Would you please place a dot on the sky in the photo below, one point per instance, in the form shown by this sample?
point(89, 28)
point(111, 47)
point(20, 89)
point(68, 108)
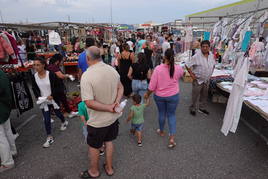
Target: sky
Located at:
point(99, 11)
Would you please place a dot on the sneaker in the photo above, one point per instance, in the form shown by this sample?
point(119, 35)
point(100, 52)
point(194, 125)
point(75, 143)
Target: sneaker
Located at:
point(203, 111)
point(101, 152)
point(139, 144)
point(64, 125)
point(72, 114)
point(193, 113)
point(5, 168)
point(49, 141)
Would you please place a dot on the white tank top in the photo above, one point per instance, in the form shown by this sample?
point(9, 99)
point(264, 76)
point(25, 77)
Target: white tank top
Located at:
point(43, 84)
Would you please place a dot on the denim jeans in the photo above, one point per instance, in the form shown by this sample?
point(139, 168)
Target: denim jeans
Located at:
point(139, 87)
point(47, 118)
point(167, 108)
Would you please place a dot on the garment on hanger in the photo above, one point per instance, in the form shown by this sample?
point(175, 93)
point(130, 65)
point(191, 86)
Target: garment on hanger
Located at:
point(22, 95)
point(13, 59)
point(5, 49)
point(228, 52)
point(189, 34)
point(54, 38)
point(235, 101)
point(246, 41)
point(257, 54)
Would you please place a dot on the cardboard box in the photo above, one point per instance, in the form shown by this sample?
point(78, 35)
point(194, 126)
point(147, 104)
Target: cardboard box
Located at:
point(217, 98)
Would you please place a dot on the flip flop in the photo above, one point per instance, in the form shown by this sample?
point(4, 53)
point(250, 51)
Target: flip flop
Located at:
point(86, 175)
point(104, 167)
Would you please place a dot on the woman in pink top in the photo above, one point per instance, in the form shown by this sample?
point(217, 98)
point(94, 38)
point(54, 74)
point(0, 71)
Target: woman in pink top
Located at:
point(165, 85)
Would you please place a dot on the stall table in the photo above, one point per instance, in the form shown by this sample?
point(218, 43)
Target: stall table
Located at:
point(71, 68)
point(254, 116)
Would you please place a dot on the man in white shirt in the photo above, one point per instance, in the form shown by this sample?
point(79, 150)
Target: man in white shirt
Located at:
point(131, 45)
point(102, 91)
point(165, 45)
point(201, 67)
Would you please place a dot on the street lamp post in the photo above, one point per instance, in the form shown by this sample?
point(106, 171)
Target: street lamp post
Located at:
point(111, 11)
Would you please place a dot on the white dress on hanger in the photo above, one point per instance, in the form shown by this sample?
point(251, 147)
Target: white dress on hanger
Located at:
point(235, 101)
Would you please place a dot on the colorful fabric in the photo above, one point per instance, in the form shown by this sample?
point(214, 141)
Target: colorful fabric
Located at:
point(246, 41)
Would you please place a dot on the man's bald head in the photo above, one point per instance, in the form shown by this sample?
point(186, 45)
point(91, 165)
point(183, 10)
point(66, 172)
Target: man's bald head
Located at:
point(93, 53)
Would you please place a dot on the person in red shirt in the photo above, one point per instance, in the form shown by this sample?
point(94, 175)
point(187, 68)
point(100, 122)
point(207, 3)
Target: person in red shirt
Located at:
point(54, 66)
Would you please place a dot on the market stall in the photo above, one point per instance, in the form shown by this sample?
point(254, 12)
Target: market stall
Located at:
point(240, 39)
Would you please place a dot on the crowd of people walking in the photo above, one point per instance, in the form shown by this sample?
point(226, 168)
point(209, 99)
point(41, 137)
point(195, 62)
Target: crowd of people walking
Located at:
point(136, 68)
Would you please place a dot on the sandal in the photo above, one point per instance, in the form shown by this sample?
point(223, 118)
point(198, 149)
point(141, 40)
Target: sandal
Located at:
point(172, 145)
point(104, 167)
point(86, 174)
point(159, 133)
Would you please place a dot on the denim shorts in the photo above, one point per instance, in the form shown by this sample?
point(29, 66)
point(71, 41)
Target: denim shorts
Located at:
point(138, 85)
point(137, 127)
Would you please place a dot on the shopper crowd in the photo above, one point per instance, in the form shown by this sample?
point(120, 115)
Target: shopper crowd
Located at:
point(124, 68)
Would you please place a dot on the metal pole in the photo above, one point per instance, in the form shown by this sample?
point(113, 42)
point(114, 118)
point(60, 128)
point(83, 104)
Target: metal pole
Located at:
point(111, 11)
point(2, 19)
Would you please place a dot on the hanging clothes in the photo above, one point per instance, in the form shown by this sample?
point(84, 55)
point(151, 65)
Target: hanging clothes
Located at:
point(266, 57)
point(189, 34)
point(22, 95)
point(256, 53)
point(246, 41)
point(5, 49)
point(235, 101)
point(54, 38)
point(13, 59)
point(228, 52)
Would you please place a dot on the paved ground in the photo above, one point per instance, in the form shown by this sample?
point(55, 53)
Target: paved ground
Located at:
point(201, 152)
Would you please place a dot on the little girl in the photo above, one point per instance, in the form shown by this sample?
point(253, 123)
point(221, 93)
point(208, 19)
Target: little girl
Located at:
point(136, 117)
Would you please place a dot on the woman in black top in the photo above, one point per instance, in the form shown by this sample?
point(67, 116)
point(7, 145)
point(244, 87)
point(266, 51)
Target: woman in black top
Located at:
point(125, 60)
point(148, 51)
point(139, 73)
point(54, 66)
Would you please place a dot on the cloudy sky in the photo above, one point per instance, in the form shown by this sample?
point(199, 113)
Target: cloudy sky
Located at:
point(124, 11)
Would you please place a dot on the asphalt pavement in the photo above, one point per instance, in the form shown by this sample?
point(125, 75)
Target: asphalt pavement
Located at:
point(202, 151)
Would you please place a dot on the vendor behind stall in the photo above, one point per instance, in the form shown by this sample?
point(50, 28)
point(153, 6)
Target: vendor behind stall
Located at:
point(54, 66)
point(201, 67)
point(82, 60)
